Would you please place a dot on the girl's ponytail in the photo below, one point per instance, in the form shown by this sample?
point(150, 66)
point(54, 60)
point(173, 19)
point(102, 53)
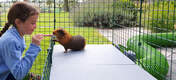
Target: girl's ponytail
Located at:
point(6, 27)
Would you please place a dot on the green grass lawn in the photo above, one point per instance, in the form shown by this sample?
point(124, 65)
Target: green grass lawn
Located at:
point(45, 26)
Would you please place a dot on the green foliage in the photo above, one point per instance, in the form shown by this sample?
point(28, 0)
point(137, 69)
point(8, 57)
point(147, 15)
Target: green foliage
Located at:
point(94, 16)
point(105, 15)
point(152, 60)
point(122, 48)
point(160, 16)
point(126, 12)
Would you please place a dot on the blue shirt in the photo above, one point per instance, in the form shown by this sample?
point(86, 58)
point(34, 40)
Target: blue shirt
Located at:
point(12, 46)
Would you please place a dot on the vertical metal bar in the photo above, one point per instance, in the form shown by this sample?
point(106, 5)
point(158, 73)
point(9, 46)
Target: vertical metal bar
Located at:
point(168, 7)
point(114, 2)
point(140, 17)
point(167, 31)
point(54, 15)
point(173, 38)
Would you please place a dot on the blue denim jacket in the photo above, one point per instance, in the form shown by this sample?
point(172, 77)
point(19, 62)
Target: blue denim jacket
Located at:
point(12, 46)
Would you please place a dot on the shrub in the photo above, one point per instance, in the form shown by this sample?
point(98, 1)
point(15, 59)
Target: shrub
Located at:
point(126, 10)
point(160, 16)
point(105, 15)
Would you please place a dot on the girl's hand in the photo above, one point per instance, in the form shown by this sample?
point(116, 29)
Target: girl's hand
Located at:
point(37, 38)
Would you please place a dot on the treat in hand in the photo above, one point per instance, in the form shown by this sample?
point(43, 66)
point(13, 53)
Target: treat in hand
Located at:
point(48, 35)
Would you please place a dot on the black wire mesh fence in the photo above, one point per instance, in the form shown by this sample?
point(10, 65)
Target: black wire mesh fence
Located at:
point(142, 29)
point(152, 40)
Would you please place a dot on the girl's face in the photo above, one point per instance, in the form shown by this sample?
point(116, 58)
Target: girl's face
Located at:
point(27, 27)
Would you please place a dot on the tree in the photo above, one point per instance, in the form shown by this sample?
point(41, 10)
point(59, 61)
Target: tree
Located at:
point(66, 6)
point(14, 1)
point(26, 0)
point(33, 1)
point(49, 3)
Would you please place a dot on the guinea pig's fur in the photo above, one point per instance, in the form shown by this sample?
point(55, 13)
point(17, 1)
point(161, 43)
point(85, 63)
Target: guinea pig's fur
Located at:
point(68, 41)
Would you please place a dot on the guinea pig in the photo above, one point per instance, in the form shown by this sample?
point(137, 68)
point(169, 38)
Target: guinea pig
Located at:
point(68, 41)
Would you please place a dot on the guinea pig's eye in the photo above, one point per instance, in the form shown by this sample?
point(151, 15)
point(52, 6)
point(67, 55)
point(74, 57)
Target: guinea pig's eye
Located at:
point(61, 32)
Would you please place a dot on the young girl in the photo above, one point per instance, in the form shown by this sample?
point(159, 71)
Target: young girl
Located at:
point(22, 17)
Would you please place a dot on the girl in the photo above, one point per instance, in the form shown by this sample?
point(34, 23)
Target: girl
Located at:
point(23, 17)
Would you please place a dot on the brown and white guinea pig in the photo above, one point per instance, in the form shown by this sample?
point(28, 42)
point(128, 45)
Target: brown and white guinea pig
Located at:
point(68, 41)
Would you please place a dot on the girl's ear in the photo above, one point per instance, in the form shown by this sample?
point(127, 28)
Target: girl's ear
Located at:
point(17, 22)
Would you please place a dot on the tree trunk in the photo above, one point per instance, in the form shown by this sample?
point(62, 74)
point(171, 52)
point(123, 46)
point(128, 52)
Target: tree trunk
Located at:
point(66, 6)
point(26, 0)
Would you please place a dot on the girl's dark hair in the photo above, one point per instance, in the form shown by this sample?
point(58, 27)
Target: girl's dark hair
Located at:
point(19, 10)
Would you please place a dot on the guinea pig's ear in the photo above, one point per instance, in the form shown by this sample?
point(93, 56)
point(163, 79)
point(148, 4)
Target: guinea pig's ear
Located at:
point(61, 32)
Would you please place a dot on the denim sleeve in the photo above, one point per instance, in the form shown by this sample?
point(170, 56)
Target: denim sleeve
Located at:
point(18, 66)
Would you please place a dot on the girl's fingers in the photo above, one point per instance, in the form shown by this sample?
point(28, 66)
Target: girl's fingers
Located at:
point(47, 34)
point(39, 36)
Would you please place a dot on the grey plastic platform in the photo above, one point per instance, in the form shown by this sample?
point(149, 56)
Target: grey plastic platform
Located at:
point(95, 62)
